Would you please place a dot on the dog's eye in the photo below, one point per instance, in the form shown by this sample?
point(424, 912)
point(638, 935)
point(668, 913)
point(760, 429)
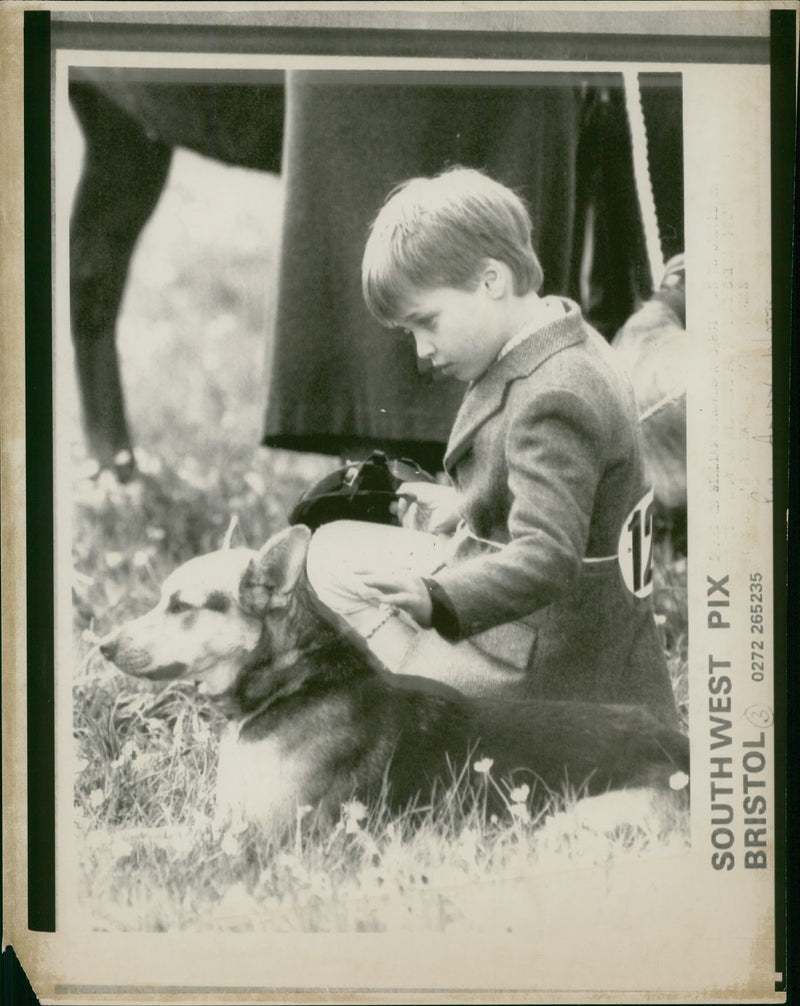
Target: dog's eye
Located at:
point(177, 607)
point(217, 601)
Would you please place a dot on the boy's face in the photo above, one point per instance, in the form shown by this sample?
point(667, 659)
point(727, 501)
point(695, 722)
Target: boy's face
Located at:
point(454, 330)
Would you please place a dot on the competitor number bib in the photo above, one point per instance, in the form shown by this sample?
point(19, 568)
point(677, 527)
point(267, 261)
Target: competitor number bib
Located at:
point(635, 551)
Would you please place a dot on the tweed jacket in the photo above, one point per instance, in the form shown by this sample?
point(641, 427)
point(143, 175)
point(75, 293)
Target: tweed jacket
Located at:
point(546, 455)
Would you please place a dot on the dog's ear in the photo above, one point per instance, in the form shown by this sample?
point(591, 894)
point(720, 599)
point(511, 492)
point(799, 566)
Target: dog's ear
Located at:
point(271, 576)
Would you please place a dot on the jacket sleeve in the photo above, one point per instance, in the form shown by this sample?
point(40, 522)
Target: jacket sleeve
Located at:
point(554, 449)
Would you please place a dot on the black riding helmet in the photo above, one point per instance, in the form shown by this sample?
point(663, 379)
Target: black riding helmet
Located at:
point(359, 490)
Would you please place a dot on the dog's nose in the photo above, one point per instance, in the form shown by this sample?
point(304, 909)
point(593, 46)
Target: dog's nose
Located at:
point(109, 648)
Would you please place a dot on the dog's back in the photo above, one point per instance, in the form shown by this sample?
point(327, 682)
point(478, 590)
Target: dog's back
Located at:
point(354, 730)
point(551, 746)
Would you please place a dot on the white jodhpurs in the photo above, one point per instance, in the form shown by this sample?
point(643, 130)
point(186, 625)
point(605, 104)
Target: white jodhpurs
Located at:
point(342, 552)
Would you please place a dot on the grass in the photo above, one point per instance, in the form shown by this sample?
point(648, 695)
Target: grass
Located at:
point(151, 857)
point(370, 873)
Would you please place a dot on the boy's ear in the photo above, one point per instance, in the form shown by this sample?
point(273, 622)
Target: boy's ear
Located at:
point(495, 278)
point(271, 575)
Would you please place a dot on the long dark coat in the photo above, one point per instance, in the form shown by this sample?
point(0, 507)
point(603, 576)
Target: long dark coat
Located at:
point(337, 378)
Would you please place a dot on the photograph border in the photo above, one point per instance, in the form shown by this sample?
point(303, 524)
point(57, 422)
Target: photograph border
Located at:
point(39, 32)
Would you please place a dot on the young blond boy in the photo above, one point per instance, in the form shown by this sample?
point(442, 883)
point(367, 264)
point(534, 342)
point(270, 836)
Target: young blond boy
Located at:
point(530, 574)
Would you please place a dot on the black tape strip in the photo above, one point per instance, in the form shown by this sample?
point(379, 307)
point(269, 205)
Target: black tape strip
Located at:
point(39, 475)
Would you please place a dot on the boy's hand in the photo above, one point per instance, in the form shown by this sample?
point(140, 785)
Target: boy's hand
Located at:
point(427, 507)
point(404, 591)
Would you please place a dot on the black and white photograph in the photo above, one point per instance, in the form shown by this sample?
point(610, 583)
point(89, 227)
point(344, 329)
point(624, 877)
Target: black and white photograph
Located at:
point(411, 527)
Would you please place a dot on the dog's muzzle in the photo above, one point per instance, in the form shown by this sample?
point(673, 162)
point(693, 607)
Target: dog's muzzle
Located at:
point(136, 661)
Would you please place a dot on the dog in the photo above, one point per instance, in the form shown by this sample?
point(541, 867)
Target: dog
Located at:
point(316, 720)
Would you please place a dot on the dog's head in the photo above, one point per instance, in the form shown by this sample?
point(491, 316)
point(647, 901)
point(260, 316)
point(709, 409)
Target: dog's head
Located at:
point(211, 613)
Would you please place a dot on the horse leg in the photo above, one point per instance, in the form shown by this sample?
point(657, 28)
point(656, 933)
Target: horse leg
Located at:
point(123, 175)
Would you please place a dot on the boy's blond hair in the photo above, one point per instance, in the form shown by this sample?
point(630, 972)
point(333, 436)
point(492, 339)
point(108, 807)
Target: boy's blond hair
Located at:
point(439, 231)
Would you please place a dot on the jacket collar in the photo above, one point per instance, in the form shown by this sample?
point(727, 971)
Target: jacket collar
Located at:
point(485, 396)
